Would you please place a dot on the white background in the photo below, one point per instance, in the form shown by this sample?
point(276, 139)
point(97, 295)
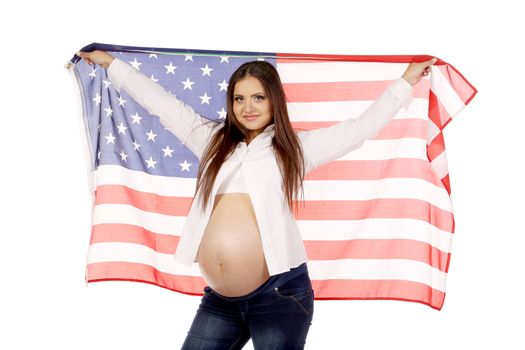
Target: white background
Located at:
point(45, 228)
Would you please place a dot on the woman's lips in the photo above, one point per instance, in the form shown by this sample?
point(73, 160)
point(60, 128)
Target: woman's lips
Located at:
point(250, 117)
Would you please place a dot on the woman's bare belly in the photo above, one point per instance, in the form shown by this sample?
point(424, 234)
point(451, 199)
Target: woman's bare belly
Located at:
point(230, 255)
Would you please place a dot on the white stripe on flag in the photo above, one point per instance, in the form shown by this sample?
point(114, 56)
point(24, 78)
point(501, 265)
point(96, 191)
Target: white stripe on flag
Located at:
point(127, 214)
point(408, 188)
point(341, 110)
point(376, 228)
point(439, 164)
point(140, 181)
point(365, 269)
point(447, 96)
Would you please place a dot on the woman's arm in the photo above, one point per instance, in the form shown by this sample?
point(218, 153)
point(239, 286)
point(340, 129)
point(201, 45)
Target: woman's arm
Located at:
point(179, 118)
point(323, 145)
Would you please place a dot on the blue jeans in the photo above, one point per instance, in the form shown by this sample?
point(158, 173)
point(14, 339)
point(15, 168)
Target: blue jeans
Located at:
point(276, 315)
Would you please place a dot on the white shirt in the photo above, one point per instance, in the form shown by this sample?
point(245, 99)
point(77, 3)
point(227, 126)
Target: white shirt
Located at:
point(281, 240)
point(234, 183)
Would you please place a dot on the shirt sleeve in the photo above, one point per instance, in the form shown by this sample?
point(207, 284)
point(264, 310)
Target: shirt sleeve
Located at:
point(323, 145)
point(179, 118)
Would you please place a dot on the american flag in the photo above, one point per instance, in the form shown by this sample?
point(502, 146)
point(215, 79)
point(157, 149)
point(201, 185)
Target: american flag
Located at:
point(378, 222)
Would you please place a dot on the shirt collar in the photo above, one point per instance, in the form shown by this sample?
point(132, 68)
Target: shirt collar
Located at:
point(269, 128)
point(263, 135)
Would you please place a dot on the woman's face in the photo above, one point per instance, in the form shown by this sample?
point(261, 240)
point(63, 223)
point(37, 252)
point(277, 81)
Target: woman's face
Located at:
point(250, 100)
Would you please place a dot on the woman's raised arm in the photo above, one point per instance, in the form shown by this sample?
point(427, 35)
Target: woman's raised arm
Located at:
point(179, 118)
point(323, 145)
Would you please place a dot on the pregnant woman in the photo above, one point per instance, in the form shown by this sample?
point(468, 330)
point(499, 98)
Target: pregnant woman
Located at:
point(240, 228)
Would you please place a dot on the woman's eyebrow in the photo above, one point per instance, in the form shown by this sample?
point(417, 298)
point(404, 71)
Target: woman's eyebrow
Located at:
point(257, 93)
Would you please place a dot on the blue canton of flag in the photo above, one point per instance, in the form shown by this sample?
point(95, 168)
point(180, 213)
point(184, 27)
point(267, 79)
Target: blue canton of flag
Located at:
point(123, 133)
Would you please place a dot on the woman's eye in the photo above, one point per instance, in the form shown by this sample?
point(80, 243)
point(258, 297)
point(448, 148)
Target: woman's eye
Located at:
point(257, 97)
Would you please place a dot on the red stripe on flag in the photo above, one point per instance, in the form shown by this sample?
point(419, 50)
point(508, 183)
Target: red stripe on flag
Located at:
point(336, 288)
point(375, 170)
point(119, 194)
point(378, 249)
point(437, 112)
point(135, 272)
point(127, 233)
point(320, 58)
point(396, 129)
point(345, 91)
point(436, 147)
point(369, 289)
point(376, 208)
point(446, 183)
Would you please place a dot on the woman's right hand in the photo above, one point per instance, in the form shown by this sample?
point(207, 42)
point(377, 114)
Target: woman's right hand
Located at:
point(99, 57)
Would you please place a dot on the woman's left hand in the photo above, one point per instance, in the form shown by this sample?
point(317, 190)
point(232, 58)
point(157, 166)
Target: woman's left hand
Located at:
point(417, 70)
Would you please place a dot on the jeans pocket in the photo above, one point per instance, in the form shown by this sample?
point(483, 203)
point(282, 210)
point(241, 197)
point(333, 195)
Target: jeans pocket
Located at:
point(299, 291)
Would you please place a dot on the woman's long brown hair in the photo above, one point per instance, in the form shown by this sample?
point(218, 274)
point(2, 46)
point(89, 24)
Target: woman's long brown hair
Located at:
point(285, 143)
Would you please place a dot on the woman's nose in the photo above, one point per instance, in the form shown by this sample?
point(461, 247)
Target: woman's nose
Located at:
point(248, 106)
